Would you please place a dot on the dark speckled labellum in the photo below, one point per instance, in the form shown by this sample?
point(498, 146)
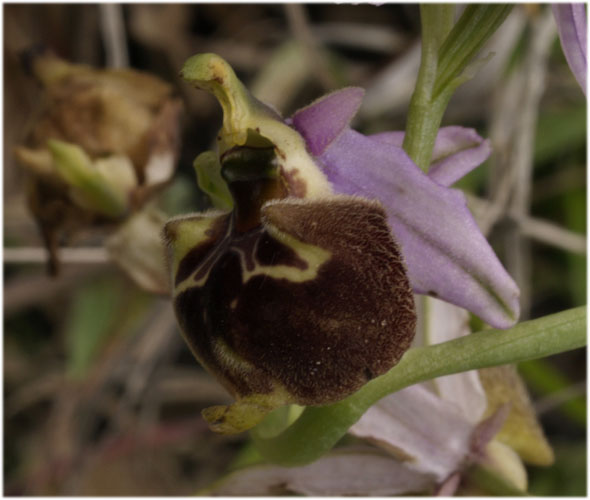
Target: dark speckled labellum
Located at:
point(288, 300)
point(295, 295)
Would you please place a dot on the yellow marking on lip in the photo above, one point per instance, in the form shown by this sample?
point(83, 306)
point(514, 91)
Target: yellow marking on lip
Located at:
point(312, 255)
point(189, 281)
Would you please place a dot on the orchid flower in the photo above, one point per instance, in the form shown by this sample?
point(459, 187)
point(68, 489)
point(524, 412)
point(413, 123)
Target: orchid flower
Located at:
point(298, 289)
point(462, 422)
point(572, 26)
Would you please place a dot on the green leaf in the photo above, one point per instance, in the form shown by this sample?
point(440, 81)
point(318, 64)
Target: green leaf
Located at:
point(475, 26)
point(444, 66)
point(319, 428)
point(424, 114)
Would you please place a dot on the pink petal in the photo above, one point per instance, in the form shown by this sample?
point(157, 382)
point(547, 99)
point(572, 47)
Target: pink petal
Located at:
point(457, 151)
point(357, 471)
point(431, 434)
point(446, 254)
point(324, 120)
point(572, 25)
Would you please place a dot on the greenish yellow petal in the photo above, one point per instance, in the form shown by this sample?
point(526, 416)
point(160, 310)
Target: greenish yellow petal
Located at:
point(246, 412)
point(503, 460)
point(209, 178)
point(521, 430)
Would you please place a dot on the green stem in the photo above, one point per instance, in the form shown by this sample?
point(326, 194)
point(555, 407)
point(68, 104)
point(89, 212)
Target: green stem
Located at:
point(319, 428)
point(422, 125)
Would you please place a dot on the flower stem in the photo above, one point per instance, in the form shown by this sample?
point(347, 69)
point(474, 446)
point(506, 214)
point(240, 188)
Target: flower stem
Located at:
point(318, 429)
point(422, 125)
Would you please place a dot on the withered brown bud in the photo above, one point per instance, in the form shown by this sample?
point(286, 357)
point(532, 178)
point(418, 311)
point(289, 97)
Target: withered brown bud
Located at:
point(105, 140)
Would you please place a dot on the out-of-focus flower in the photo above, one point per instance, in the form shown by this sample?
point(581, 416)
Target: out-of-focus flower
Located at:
point(443, 427)
point(104, 142)
point(573, 25)
point(431, 434)
point(299, 294)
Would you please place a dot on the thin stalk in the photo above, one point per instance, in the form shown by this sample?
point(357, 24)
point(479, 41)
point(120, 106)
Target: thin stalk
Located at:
point(437, 21)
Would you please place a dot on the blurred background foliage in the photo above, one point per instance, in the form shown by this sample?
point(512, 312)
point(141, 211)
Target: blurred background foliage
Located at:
point(101, 396)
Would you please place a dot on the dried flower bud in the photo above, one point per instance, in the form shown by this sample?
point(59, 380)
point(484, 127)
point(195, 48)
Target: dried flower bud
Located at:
point(104, 142)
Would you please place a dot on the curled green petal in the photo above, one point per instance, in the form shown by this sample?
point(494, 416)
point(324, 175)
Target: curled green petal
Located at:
point(211, 73)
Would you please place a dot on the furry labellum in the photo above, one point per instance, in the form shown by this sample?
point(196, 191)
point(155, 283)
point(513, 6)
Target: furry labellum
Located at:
point(285, 299)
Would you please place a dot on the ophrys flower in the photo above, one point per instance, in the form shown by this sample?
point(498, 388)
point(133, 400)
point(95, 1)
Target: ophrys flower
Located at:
point(296, 291)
